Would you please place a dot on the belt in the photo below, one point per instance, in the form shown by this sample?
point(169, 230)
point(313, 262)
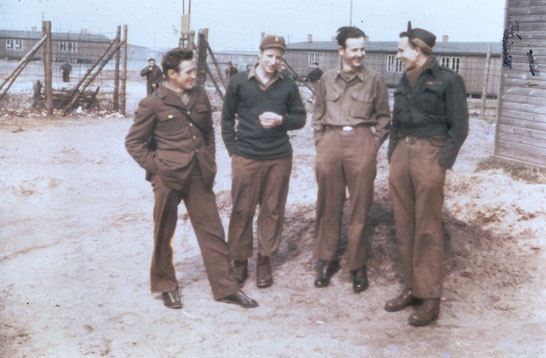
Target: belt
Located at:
point(347, 128)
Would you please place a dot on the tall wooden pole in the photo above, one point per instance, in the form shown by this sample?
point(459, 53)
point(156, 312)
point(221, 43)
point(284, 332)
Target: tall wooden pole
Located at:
point(485, 82)
point(202, 57)
point(116, 71)
point(48, 75)
point(123, 91)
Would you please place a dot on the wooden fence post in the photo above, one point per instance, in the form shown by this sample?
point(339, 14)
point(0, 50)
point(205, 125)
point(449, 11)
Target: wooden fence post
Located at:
point(20, 67)
point(123, 91)
point(48, 76)
point(116, 72)
point(485, 82)
point(202, 57)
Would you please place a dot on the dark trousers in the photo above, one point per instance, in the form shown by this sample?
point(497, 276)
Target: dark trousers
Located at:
point(345, 159)
point(416, 184)
point(150, 88)
point(201, 206)
point(263, 182)
point(66, 76)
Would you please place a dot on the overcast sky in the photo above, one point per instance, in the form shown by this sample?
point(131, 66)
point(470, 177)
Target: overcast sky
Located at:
point(237, 24)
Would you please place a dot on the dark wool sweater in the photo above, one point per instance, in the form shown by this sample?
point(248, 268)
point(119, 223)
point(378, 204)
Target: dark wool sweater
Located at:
point(245, 101)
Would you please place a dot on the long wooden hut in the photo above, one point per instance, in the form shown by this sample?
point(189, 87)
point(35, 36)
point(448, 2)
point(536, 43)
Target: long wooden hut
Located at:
point(521, 118)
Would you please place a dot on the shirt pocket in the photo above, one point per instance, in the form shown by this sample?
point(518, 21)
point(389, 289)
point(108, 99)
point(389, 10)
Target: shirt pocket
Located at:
point(432, 98)
point(360, 106)
point(170, 124)
point(333, 96)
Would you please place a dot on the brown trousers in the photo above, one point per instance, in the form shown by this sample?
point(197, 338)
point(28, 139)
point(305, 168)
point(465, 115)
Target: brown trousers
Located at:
point(201, 206)
point(344, 159)
point(263, 182)
point(416, 184)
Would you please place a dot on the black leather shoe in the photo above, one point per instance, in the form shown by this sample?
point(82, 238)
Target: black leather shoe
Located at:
point(239, 298)
point(264, 278)
point(360, 280)
point(401, 301)
point(428, 312)
point(240, 267)
point(325, 270)
point(171, 299)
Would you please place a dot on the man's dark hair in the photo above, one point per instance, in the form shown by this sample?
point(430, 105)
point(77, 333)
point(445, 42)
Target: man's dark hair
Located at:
point(348, 32)
point(315, 63)
point(151, 59)
point(172, 59)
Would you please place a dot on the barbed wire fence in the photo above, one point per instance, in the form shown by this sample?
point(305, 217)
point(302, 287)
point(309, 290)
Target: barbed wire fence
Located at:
point(83, 50)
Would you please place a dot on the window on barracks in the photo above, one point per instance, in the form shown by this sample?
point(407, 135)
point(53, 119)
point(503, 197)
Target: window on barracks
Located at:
point(313, 57)
point(13, 44)
point(452, 63)
point(394, 64)
point(68, 46)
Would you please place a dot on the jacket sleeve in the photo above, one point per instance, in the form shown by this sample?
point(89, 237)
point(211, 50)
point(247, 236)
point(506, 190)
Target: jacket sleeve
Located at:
point(319, 108)
point(229, 112)
point(144, 71)
point(457, 121)
point(139, 136)
point(208, 130)
point(295, 114)
point(382, 111)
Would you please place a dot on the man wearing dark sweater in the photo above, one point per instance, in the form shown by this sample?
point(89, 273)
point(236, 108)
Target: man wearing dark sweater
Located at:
point(260, 107)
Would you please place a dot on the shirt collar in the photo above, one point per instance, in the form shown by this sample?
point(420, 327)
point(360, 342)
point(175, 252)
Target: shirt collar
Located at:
point(360, 73)
point(252, 73)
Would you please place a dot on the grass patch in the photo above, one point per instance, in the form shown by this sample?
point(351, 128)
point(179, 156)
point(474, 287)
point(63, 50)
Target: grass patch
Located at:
point(518, 171)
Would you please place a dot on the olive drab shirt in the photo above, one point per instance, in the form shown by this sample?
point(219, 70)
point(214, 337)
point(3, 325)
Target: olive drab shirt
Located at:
point(435, 107)
point(362, 100)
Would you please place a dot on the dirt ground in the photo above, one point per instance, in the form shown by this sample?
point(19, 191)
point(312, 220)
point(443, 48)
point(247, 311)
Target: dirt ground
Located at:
point(76, 240)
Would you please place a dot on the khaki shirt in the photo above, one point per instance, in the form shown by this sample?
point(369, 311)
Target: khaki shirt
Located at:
point(361, 99)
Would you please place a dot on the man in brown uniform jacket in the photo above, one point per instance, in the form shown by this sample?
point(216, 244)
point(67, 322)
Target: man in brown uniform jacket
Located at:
point(351, 117)
point(172, 137)
point(430, 123)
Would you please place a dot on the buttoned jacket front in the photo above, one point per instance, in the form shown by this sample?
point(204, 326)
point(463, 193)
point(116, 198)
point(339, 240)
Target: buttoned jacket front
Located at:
point(163, 141)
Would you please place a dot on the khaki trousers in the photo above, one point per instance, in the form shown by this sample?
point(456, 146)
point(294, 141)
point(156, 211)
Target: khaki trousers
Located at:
point(416, 184)
point(263, 182)
point(201, 206)
point(344, 159)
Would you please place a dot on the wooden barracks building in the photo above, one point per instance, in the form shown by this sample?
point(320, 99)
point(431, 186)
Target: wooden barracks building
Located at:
point(466, 58)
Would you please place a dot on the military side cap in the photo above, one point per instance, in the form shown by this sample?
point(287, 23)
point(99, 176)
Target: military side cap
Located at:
point(273, 41)
point(421, 38)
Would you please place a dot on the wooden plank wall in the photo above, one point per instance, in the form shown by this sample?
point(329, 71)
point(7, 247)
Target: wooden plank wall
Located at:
point(521, 118)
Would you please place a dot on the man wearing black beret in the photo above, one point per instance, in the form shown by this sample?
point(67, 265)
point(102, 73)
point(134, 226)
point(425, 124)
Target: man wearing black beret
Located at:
point(429, 126)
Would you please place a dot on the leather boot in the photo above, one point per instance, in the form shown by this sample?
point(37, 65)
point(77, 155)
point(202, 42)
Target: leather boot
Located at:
point(240, 267)
point(428, 312)
point(400, 302)
point(264, 278)
point(360, 280)
point(325, 270)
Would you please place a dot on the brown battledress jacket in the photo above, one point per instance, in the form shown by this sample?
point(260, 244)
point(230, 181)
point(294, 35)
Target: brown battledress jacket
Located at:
point(164, 142)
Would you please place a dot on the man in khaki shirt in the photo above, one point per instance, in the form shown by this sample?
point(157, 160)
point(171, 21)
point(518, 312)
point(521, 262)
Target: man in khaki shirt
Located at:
point(351, 117)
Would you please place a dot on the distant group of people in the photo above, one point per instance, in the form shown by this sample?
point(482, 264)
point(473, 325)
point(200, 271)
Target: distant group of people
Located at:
point(173, 139)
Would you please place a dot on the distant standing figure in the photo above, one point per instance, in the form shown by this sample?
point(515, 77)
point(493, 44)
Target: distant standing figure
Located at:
point(66, 68)
point(315, 74)
point(231, 70)
point(153, 76)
